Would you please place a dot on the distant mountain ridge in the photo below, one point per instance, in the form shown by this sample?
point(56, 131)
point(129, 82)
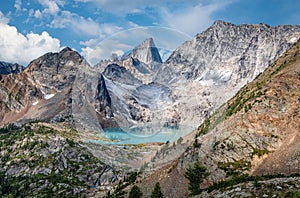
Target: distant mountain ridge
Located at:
point(10, 68)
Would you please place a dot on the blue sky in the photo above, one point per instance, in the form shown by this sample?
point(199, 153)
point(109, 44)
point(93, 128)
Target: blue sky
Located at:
point(96, 28)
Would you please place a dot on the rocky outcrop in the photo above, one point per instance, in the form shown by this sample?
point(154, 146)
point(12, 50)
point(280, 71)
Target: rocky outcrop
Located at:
point(17, 92)
point(56, 71)
point(120, 74)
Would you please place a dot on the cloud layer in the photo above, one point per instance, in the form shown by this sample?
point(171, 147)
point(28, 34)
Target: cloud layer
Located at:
point(18, 48)
point(192, 19)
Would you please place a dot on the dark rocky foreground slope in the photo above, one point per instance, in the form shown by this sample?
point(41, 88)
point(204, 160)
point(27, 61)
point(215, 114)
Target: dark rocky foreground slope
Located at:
point(37, 160)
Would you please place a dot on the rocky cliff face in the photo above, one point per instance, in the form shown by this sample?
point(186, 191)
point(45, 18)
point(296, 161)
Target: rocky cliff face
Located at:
point(120, 74)
point(255, 133)
point(102, 98)
point(55, 71)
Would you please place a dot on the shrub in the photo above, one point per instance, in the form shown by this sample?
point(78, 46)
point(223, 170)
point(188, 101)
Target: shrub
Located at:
point(135, 192)
point(156, 193)
point(196, 144)
point(132, 177)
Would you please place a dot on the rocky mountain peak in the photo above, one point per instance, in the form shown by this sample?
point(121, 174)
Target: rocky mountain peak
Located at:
point(66, 49)
point(57, 69)
point(148, 42)
point(147, 52)
point(233, 51)
point(220, 23)
point(58, 60)
point(68, 54)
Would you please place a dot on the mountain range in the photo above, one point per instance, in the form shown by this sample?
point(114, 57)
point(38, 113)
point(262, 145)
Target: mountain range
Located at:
point(221, 59)
point(229, 78)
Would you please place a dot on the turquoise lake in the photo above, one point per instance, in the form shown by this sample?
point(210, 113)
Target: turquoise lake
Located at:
point(141, 135)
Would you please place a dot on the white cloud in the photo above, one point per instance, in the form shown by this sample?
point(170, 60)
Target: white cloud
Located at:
point(191, 16)
point(3, 18)
point(121, 7)
point(190, 20)
point(16, 47)
point(18, 5)
point(76, 23)
point(118, 52)
point(31, 12)
point(61, 2)
point(104, 50)
point(83, 26)
point(50, 7)
point(38, 14)
point(132, 24)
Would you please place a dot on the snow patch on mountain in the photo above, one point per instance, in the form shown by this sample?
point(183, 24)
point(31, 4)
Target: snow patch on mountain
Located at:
point(48, 96)
point(293, 40)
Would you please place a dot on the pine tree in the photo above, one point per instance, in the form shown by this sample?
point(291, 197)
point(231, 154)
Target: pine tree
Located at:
point(135, 192)
point(156, 193)
point(195, 176)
